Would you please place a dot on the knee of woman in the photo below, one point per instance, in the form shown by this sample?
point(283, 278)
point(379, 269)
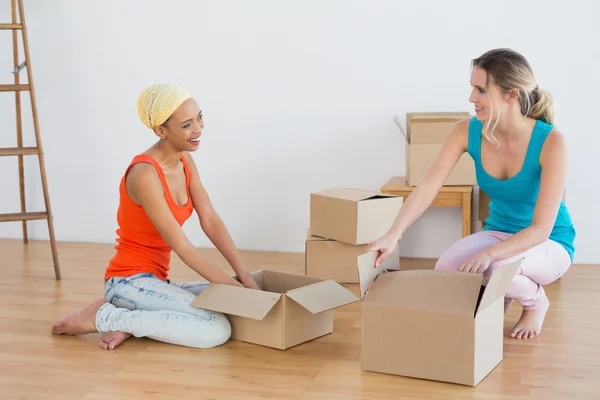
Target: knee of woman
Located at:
point(497, 265)
point(219, 332)
point(445, 263)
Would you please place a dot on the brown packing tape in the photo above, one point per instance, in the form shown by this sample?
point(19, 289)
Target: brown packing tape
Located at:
point(438, 114)
point(434, 120)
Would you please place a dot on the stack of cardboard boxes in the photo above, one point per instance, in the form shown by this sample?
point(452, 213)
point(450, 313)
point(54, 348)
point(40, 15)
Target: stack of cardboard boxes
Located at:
point(343, 222)
point(430, 324)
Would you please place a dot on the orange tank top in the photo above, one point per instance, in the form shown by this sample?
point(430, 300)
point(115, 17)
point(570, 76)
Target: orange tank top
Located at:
point(140, 248)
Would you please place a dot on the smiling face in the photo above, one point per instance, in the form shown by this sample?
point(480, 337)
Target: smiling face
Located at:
point(183, 128)
point(488, 99)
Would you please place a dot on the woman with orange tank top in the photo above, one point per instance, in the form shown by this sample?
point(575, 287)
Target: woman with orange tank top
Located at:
point(158, 192)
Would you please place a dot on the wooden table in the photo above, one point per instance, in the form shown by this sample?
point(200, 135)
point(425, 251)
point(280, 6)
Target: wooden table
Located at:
point(448, 196)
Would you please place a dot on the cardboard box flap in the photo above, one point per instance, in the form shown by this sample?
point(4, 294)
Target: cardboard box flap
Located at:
point(243, 302)
point(367, 272)
point(352, 194)
point(399, 125)
point(322, 296)
point(313, 238)
point(446, 291)
point(317, 239)
point(497, 284)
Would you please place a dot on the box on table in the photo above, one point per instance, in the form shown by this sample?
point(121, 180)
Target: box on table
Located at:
point(425, 134)
point(289, 310)
point(327, 258)
point(438, 325)
point(352, 216)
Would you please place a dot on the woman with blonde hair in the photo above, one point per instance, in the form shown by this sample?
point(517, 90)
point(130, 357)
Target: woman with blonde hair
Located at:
point(521, 163)
point(158, 192)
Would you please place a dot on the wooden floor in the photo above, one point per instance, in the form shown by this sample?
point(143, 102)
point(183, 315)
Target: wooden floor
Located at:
point(563, 363)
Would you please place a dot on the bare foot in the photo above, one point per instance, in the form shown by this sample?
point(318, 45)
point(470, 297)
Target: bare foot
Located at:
point(80, 322)
point(531, 321)
point(110, 340)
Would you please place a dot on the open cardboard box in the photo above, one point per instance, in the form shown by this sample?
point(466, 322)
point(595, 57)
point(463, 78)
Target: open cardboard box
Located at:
point(425, 133)
point(352, 216)
point(327, 258)
point(439, 325)
point(289, 310)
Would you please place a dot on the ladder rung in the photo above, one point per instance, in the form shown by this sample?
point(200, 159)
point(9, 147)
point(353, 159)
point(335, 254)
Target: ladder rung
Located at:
point(26, 216)
point(13, 88)
point(19, 151)
point(10, 26)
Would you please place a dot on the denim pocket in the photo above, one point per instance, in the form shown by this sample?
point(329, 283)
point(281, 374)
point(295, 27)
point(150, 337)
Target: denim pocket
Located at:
point(122, 302)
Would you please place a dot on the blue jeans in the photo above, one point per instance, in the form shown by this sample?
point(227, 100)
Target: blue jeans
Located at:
point(146, 306)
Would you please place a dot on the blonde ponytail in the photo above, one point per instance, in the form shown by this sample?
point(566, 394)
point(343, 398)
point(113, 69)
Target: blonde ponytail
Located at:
point(542, 106)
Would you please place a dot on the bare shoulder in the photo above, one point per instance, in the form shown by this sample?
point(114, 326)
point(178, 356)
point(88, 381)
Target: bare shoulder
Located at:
point(142, 178)
point(188, 157)
point(459, 134)
point(462, 127)
point(556, 139)
point(141, 172)
point(464, 123)
point(191, 163)
point(554, 148)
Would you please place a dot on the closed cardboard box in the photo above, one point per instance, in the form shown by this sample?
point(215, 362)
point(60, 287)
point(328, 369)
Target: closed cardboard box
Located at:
point(425, 134)
point(352, 216)
point(326, 258)
point(289, 310)
point(439, 325)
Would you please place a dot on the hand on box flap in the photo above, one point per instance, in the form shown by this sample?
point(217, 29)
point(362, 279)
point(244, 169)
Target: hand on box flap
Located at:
point(385, 245)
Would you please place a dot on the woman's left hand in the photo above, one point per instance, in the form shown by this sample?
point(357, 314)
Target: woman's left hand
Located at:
point(250, 283)
point(478, 263)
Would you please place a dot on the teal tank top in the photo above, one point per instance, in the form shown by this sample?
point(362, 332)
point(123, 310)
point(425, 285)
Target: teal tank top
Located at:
point(512, 201)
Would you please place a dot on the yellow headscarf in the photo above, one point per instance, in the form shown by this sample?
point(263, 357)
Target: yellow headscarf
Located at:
point(158, 102)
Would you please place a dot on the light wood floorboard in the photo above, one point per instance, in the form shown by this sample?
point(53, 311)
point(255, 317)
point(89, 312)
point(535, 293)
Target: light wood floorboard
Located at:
point(563, 363)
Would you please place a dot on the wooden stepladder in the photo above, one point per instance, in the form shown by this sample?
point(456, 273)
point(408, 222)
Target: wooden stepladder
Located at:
point(20, 151)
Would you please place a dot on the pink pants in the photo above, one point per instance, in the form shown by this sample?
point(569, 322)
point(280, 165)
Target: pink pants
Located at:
point(542, 264)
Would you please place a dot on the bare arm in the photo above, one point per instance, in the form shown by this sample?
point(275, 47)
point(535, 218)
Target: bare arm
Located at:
point(553, 160)
point(144, 188)
point(214, 227)
point(455, 144)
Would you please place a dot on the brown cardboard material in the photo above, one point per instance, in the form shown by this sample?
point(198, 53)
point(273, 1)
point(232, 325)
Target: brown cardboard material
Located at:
point(425, 134)
point(289, 310)
point(352, 216)
point(326, 258)
point(431, 127)
point(438, 325)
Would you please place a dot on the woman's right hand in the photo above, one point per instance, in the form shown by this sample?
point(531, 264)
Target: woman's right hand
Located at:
point(385, 245)
point(220, 276)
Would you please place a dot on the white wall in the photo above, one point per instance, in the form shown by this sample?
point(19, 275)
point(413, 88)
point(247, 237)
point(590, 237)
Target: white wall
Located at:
point(303, 91)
